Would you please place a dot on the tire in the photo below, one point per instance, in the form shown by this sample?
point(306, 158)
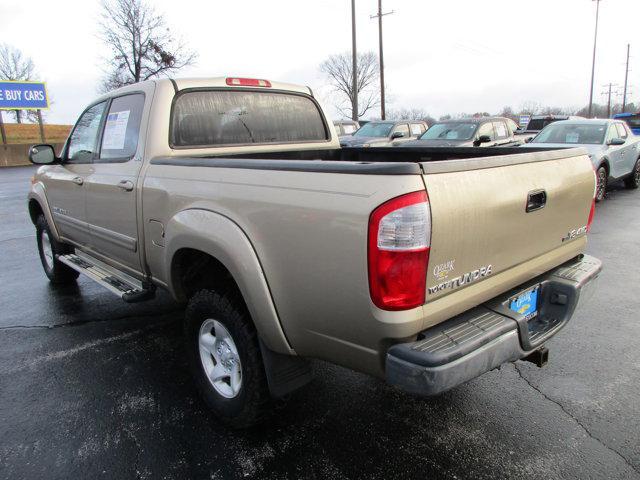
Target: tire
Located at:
point(48, 248)
point(222, 344)
point(633, 181)
point(601, 187)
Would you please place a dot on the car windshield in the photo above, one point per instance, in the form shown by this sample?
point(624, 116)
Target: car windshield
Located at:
point(374, 130)
point(572, 133)
point(450, 131)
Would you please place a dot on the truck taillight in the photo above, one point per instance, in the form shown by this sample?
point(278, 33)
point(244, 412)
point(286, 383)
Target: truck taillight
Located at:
point(247, 82)
point(591, 214)
point(593, 201)
point(399, 242)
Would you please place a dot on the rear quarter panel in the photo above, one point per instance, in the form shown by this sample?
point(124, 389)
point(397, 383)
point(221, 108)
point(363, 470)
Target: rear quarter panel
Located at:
point(309, 232)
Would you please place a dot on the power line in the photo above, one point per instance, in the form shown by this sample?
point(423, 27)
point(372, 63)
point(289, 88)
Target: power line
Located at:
point(608, 93)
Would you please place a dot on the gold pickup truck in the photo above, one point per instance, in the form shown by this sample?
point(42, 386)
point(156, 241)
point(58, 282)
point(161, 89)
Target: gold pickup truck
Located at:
point(425, 267)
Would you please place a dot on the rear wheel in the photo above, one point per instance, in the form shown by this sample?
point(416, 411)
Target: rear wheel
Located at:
point(633, 181)
point(601, 186)
point(225, 358)
point(49, 248)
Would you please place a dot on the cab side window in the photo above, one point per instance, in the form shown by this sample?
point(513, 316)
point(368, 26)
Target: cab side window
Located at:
point(612, 133)
point(501, 130)
point(403, 128)
point(622, 132)
point(122, 129)
point(83, 142)
point(417, 129)
point(486, 129)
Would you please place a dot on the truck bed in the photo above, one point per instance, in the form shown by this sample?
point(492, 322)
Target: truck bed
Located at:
point(309, 231)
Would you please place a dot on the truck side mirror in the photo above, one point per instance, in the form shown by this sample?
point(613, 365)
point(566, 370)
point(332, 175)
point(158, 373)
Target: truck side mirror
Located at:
point(616, 141)
point(397, 135)
point(42, 154)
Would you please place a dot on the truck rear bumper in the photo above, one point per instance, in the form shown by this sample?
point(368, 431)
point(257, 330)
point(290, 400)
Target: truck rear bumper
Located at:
point(491, 334)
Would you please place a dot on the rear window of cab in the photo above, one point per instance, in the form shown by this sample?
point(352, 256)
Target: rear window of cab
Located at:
point(210, 118)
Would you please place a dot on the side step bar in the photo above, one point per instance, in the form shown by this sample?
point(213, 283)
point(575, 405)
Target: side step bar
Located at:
point(124, 286)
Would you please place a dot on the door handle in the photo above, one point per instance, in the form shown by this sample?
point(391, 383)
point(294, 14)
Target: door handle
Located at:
point(125, 185)
point(77, 180)
point(536, 200)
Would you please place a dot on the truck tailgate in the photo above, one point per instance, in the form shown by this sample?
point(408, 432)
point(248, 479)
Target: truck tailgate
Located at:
point(480, 223)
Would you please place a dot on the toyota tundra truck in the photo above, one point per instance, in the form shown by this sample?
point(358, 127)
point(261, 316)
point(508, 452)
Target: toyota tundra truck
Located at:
point(425, 267)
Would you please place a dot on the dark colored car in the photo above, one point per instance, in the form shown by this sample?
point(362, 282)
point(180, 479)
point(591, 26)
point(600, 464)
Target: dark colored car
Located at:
point(468, 132)
point(383, 133)
point(538, 122)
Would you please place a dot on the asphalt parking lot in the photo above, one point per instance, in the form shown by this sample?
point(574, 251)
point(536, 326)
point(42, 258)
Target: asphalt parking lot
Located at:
point(91, 387)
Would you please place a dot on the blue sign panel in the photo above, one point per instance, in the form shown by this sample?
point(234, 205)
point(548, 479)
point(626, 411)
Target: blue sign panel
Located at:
point(23, 96)
point(524, 120)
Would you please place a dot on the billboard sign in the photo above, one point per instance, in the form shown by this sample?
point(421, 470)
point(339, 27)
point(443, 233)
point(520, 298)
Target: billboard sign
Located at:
point(18, 95)
point(524, 121)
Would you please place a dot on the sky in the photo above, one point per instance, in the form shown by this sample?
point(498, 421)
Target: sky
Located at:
point(442, 57)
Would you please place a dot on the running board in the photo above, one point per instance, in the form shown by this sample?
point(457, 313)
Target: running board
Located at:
point(124, 286)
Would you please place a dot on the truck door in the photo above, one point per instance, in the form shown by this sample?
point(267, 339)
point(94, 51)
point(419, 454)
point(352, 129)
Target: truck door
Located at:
point(66, 189)
point(111, 188)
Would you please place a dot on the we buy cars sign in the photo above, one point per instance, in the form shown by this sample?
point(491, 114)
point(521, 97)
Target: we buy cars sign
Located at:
point(23, 95)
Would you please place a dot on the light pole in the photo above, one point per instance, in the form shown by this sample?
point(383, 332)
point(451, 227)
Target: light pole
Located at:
point(381, 55)
point(626, 78)
point(354, 66)
point(593, 64)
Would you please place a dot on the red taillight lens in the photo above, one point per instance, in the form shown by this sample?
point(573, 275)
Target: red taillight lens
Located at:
point(399, 242)
point(591, 214)
point(593, 202)
point(247, 82)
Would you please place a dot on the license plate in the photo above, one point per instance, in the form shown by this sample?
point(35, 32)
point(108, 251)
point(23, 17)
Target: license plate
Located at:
point(526, 303)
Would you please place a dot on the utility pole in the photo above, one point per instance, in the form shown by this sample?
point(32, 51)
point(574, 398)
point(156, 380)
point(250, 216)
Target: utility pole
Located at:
point(608, 93)
point(593, 64)
point(354, 66)
point(381, 55)
point(626, 78)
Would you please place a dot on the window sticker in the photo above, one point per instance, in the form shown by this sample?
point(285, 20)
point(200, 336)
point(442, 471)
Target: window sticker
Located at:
point(115, 130)
point(572, 137)
point(501, 129)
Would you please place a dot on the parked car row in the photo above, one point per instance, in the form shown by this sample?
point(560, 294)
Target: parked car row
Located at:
point(612, 144)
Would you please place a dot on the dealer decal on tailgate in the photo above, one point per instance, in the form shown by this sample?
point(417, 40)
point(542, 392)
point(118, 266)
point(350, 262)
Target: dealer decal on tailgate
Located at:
point(462, 279)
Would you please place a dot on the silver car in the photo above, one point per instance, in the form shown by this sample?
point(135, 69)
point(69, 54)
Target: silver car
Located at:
point(612, 147)
point(382, 133)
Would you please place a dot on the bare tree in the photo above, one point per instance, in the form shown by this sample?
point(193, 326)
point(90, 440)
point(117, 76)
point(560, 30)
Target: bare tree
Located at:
point(339, 69)
point(141, 43)
point(530, 108)
point(507, 112)
point(15, 66)
point(411, 114)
